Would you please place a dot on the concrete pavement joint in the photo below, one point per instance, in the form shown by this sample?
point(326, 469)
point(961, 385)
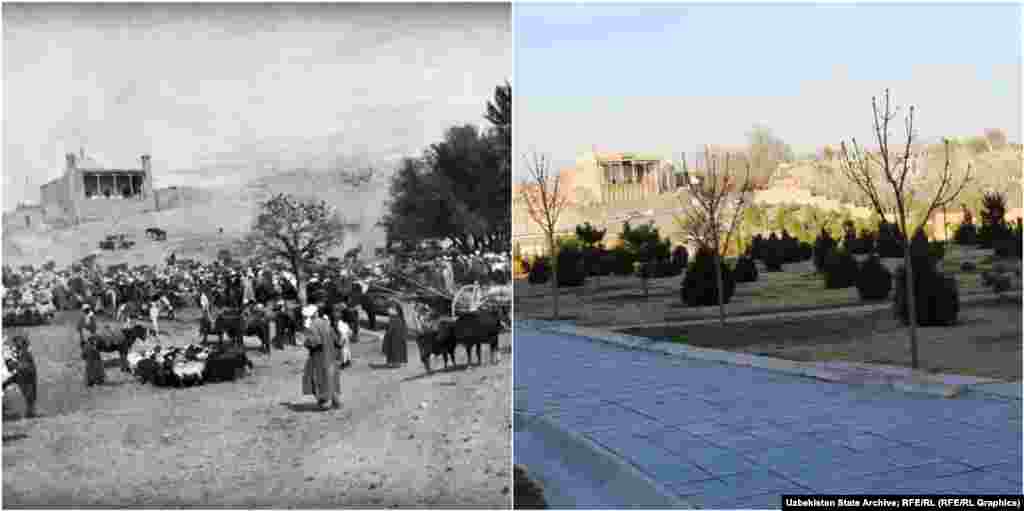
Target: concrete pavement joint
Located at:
point(896, 378)
point(619, 476)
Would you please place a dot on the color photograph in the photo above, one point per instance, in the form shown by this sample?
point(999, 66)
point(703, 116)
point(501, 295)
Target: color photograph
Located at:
point(765, 249)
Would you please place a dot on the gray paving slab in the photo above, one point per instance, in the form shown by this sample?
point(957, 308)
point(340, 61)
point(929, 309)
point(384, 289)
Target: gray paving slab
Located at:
point(732, 437)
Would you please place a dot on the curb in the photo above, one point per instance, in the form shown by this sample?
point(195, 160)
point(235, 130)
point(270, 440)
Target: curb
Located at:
point(894, 377)
point(615, 475)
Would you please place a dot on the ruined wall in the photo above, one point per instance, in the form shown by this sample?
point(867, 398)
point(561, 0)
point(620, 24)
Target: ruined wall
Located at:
point(22, 219)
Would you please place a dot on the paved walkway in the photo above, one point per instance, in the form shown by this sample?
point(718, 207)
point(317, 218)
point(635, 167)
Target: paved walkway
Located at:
point(723, 436)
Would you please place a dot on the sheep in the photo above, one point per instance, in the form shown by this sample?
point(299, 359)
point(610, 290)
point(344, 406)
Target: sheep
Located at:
point(189, 372)
point(133, 361)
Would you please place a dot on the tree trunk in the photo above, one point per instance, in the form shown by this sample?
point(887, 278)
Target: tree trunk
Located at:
point(721, 287)
point(911, 302)
point(554, 277)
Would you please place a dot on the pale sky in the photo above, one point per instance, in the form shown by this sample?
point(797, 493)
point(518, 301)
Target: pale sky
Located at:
point(219, 93)
point(667, 78)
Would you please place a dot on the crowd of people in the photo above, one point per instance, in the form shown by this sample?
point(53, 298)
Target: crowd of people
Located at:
point(335, 292)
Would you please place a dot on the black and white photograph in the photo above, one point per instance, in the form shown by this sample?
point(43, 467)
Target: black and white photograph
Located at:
point(257, 255)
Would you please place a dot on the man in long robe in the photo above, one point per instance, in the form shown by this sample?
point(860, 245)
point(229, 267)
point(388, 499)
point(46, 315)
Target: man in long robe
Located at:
point(394, 345)
point(94, 372)
point(321, 377)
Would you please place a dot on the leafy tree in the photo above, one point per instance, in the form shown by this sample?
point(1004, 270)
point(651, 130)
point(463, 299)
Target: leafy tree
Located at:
point(459, 189)
point(298, 233)
point(890, 179)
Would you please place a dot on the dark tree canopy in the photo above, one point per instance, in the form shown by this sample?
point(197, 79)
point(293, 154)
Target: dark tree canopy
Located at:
point(459, 189)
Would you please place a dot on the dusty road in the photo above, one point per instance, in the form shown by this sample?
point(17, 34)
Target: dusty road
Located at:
point(402, 438)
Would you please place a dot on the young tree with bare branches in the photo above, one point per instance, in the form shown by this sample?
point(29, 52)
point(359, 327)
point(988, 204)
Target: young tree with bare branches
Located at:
point(545, 201)
point(893, 180)
point(712, 206)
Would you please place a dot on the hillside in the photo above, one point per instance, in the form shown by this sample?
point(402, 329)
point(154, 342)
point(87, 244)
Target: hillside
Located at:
point(193, 228)
point(999, 170)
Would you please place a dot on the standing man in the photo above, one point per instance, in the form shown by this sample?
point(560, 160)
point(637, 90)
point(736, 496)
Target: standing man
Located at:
point(320, 377)
point(94, 372)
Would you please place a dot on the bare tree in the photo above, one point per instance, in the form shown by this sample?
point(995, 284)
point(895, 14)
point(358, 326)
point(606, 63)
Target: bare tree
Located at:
point(712, 206)
point(545, 202)
point(890, 180)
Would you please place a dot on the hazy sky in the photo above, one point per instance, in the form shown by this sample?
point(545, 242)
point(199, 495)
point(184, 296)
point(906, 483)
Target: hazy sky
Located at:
point(669, 78)
point(215, 92)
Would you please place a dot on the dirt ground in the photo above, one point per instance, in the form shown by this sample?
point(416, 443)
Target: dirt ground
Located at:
point(402, 438)
point(986, 342)
point(614, 301)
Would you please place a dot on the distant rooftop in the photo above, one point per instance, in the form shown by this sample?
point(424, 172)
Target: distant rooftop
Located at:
point(628, 157)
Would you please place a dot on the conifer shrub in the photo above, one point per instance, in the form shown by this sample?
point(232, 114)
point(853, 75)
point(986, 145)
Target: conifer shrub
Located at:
point(772, 254)
point(745, 270)
point(680, 257)
point(966, 233)
point(540, 271)
point(866, 241)
point(993, 220)
point(890, 240)
point(840, 270)
point(806, 251)
point(757, 246)
point(874, 280)
point(937, 298)
point(572, 268)
point(623, 261)
point(824, 245)
point(700, 288)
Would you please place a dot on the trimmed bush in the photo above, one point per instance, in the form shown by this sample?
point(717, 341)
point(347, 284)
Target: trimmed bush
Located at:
point(937, 297)
point(623, 261)
point(757, 244)
point(572, 269)
point(824, 245)
point(840, 270)
point(866, 241)
point(936, 250)
point(874, 280)
point(680, 257)
point(699, 288)
point(966, 234)
point(890, 241)
point(746, 269)
point(540, 271)
point(1004, 243)
point(772, 254)
point(790, 248)
point(806, 251)
point(993, 220)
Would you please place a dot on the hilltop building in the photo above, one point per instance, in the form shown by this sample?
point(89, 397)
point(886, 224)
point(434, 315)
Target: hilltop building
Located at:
point(87, 191)
point(606, 189)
